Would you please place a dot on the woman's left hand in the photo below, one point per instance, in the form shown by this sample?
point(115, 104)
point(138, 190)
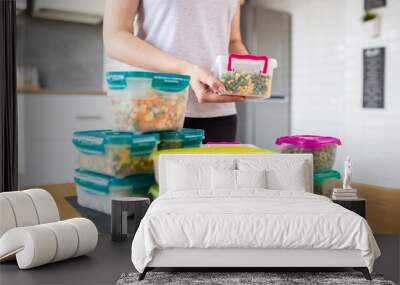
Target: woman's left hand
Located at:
point(207, 88)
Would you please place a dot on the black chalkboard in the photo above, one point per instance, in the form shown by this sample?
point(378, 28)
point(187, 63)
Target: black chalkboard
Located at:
point(373, 4)
point(374, 78)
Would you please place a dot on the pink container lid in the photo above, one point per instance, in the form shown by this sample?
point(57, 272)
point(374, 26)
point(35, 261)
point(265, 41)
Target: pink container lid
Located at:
point(223, 143)
point(308, 141)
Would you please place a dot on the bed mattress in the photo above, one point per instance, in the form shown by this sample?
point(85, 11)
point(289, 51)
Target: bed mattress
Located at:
point(250, 219)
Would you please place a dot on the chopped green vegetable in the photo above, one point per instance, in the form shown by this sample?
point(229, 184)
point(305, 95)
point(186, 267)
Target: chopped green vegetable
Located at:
point(118, 161)
point(246, 83)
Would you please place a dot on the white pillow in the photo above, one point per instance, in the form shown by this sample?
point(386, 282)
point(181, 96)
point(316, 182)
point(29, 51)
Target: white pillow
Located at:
point(181, 177)
point(288, 175)
point(251, 178)
point(184, 175)
point(223, 179)
point(293, 179)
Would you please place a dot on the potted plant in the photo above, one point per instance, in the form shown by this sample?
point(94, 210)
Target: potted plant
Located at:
point(372, 23)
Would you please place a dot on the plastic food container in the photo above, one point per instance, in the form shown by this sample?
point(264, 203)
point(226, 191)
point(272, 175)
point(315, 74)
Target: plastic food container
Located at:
point(246, 75)
point(322, 148)
point(146, 101)
point(324, 182)
point(96, 191)
point(182, 139)
point(118, 154)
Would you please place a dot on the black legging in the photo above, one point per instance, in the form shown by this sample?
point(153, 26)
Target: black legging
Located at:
point(217, 129)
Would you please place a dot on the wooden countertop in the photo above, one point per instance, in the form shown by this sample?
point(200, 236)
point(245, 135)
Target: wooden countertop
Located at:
point(383, 208)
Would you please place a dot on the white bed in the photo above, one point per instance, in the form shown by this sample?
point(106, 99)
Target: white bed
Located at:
point(194, 224)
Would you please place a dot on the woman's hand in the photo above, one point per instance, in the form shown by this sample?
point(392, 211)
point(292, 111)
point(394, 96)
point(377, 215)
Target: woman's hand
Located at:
point(206, 87)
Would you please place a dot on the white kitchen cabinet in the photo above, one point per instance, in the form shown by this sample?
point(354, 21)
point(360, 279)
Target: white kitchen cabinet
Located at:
point(88, 11)
point(46, 124)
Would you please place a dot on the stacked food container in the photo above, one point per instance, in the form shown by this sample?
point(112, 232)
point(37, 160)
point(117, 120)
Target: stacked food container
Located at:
point(323, 149)
point(148, 113)
point(112, 164)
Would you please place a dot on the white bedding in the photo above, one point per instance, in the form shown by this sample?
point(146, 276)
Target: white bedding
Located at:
point(251, 218)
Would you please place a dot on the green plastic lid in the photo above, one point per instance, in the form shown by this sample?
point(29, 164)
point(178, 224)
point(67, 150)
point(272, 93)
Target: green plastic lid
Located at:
point(184, 134)
point(320, 177)
point(166, 82)
point(95, 142)
point(102, 183)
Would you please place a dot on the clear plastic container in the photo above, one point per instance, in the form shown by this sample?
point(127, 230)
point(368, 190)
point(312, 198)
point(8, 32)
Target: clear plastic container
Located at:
point(325, 182)
point(146, 101)
point(322, 148)
point(118, 154)
point(182, 139)
point(246, 75)
point(96, 191)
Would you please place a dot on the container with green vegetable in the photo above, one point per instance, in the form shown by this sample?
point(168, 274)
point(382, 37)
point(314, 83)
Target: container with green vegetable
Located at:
point(118, 154)
point(322, 148)
point(246, 75)
point(181, 139)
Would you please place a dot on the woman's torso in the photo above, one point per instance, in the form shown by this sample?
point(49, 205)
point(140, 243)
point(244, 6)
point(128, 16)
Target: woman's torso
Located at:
point(194, 30)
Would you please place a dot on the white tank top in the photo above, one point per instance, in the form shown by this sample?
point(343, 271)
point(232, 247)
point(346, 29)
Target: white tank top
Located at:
point(194, 30)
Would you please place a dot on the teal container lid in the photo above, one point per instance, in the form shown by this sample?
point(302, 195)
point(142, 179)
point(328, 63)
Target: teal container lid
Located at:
point(185, 134)
point(320, 177)
point(102, 183)
point(94, 142)
point(165, 82)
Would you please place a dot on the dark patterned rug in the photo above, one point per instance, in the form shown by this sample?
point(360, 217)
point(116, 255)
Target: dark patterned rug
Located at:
point(244, 278)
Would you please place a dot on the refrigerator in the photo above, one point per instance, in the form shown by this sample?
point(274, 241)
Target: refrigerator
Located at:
point(266, 31)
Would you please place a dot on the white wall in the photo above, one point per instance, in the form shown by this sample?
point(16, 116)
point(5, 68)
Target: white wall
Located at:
point(373, 136)
point(328, 39)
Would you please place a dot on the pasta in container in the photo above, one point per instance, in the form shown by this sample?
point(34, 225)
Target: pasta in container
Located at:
point(117, 154)
point(147, 101)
